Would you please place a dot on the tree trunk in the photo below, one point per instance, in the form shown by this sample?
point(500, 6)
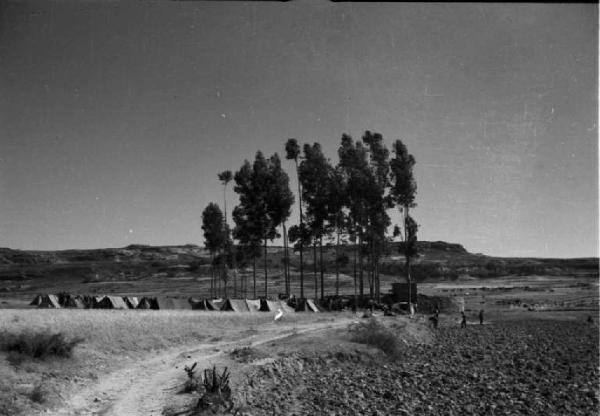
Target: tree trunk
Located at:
point(337, 266)
point(321, 261)
point(407, 257)
point(266, 280)
point(254, 276)
point(234, 283)
point(361, 282)
point(285, 262)
point(212, 276)
point(354, 272)
point(301, 232)
point(371, 276)
point(315, 268)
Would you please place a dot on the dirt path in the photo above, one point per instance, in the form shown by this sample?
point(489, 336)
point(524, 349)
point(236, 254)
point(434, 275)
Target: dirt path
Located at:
point(145, 387)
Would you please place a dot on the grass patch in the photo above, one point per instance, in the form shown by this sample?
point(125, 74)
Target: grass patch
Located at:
point(374, 333)
point(39, 345)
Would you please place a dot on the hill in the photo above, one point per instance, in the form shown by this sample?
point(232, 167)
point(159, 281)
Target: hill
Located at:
point(144, 269)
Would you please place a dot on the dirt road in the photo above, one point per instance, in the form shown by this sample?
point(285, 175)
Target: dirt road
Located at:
point(146, 387)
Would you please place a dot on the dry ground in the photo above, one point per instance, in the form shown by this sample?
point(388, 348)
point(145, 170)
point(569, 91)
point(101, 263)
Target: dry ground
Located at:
point(120, 349)
point(131, 362)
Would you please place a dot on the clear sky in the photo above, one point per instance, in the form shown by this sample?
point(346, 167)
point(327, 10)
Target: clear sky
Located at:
point(115, 117)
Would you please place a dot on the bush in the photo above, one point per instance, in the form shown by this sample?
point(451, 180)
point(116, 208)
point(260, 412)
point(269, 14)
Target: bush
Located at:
point(39, 394)
point(375, 334)
point(37, 345)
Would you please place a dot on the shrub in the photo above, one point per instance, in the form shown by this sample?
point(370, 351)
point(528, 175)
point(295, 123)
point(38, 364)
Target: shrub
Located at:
point(374, 333)
point(38, 394)
point(37, 345)
point(217, 392)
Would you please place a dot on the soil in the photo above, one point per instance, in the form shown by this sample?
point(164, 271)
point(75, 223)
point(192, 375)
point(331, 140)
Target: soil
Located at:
point(535, 367)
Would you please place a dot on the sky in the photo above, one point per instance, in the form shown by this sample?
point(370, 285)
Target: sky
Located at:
point(115, 117)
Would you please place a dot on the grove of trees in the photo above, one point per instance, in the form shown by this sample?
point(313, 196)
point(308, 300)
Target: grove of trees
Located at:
point(345, 202)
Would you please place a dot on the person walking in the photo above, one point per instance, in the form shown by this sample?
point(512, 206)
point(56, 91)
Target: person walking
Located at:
point(481, 317)
point(463, 323)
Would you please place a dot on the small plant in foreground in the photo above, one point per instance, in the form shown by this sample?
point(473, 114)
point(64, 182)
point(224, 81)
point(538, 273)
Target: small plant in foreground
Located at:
point(375, 334)
point(217, 392)
point(37, 345)
point(193, 383)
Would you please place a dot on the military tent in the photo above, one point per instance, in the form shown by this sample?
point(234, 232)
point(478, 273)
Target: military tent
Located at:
point(97, 302)
point(112, 302)
point(36, 301)
point(147, 303)
point(267, 305)
point(253, 305)
point(131, 301)
point(74, 302)
point(214, 304)
point(306, 305)
point(235, 305)
point(173, 303)
point(49, 301)
point(285, 307)
point(198, 304)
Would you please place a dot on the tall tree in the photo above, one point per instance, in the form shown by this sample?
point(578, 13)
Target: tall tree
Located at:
point(353, 160)
point(260, 210)
point(247, 229)
point(292, 150)
point(403, 192)
point(315, 172)
point(378, 202)
point(336, 201)
point(225, 177)
point(279, 202)
point(214, 235)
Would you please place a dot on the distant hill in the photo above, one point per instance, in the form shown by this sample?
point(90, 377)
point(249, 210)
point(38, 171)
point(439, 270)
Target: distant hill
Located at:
point(437, 260)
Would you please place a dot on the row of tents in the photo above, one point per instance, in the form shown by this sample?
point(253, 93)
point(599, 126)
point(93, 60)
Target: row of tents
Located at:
point(66, 300)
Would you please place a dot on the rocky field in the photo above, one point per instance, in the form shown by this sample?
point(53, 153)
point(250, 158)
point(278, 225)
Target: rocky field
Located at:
point(534, 367)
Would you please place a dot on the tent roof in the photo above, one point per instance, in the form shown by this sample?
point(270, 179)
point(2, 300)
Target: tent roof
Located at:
point(173, 303)
point(36, 300)
point(131, 301)
point(145, 303)
point(306, 305)
point(116, 302)
point(214, 304)
point(236, 305)
point(268, 305)
point(49, 301)
point(285, 307)
point(253, 305)
point(74, 302)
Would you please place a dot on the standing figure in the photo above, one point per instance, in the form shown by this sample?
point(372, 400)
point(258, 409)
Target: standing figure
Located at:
point(481, 317)
point(463, 323)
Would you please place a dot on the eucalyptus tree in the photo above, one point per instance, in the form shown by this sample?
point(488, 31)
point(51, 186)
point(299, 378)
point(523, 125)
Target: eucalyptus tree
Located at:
point(300, 235)
point(378, 201)
point(279, 199)
point(353, 161)
point(403, 192)
point(246, 229)
point(292, 150)
point(336, 218)
point(265, 202)
point(314, 172)
point(214, 236)
point(225, 177)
